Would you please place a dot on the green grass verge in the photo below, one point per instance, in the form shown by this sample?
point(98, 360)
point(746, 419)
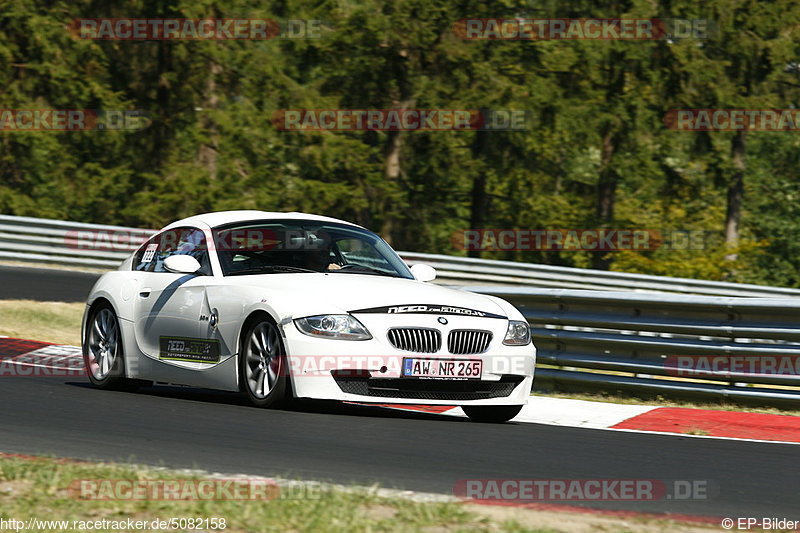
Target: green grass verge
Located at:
point(56, 322)
point(39, 488)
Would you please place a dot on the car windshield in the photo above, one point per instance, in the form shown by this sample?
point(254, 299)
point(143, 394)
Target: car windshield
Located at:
point(294, 246)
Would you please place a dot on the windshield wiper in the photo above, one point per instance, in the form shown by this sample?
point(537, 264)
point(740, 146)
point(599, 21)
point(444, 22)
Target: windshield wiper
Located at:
point(362, 269)
point(270, 269)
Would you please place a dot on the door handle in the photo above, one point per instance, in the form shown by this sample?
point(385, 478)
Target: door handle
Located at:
point(144, 293)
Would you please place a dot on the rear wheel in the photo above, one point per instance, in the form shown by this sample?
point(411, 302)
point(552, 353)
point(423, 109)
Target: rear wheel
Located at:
point(102, 355)
point(262, 364)
point(491, 413)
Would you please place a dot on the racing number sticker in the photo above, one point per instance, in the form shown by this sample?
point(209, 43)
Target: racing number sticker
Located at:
point(149, 252)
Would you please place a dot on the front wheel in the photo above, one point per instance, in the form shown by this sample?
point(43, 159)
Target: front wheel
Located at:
point(491, 413)
point(262, 365)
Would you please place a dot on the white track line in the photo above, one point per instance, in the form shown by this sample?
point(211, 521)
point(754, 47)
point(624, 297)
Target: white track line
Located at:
point(670, 434)
point(572, 413)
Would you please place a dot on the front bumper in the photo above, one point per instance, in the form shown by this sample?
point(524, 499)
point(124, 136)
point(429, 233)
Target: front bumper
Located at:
point(370, 371)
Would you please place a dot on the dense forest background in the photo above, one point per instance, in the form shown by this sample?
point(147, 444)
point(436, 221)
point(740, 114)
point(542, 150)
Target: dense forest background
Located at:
point(597, 154)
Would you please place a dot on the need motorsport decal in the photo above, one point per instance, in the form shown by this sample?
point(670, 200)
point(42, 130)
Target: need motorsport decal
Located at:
point(189, 350)
point(422, 309)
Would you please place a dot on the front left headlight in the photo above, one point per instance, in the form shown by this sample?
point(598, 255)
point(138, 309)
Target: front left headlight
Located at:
point(518, 333)
point(343, 327)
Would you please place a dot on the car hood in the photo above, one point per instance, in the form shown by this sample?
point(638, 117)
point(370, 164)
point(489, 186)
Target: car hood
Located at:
point(324, 293)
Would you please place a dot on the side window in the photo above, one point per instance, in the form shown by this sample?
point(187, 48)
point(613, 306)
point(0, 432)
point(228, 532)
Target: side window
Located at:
point(178, 241)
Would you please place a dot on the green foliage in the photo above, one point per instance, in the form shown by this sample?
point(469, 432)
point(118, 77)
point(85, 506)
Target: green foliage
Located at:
point(596, 110)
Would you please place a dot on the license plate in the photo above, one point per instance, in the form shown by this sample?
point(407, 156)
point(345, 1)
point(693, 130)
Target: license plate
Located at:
point(442, 368)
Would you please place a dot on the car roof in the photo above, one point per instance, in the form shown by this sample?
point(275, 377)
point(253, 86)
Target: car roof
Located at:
point(220, 218)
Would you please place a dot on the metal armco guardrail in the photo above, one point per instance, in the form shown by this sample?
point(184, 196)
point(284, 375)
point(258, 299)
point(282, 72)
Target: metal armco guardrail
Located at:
point(41, 240)
point(486, 272)
point(637, 333)
point(740, 349)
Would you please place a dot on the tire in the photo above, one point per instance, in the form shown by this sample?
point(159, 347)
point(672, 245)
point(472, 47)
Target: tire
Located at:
point(103, 355)
point(262, 365)
point(491, 413)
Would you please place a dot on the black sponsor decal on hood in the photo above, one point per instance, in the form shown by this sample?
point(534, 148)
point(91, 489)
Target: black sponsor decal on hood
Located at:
point(424, 309)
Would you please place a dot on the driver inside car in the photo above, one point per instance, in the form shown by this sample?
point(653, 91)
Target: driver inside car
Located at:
point(318, 255)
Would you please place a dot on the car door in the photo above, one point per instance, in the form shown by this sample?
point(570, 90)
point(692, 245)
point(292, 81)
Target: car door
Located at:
point(170, 307)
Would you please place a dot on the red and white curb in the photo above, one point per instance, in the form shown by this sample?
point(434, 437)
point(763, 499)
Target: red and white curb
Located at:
point(685, 422)
point(24, 358)
point(703, 423)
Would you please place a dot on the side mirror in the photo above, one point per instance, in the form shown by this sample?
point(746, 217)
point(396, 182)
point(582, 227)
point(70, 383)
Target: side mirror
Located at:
point(423, 272)
point(182, 264)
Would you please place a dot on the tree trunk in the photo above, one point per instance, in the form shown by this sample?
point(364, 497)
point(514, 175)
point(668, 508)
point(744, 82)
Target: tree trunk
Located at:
point(733, 214)
point(391, 172)
point(161, 132)
point(606, 195)
point(479, 199)
point(207, 155)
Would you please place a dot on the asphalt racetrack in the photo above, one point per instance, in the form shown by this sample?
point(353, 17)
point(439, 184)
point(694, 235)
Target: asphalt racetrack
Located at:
point(220, 432)
point(45, 284)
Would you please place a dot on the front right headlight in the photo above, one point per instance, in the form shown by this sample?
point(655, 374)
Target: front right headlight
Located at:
point(517, 334)
point(343, 327)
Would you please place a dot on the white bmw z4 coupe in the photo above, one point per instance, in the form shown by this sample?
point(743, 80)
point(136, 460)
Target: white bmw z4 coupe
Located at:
point(292, 305)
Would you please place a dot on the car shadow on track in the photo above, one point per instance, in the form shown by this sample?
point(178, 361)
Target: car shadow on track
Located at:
point(297, 405)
